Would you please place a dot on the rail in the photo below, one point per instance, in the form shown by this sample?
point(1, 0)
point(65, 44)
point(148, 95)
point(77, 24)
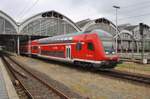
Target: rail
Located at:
point(25, 77)
point(136, 77)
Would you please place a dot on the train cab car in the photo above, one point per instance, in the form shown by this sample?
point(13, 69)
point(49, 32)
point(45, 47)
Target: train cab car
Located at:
point(107, 43)
point(95, 48)
point(90, 48)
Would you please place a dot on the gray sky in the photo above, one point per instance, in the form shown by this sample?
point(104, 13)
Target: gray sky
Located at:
point(132, 11)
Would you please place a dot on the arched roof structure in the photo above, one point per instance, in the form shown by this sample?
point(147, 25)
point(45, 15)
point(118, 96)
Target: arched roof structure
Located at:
point(100, 23)
point(52, 18)
point(124, 32)
point(129, 33)
point(8, 21)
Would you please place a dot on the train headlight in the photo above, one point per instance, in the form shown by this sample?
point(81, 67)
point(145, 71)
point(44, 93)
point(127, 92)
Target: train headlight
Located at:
point(107, 52)
point(113, 52)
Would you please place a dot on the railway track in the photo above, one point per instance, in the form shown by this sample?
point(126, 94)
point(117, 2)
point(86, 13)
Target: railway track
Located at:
point(33, 86)
point(128, 76)
point(134, 77)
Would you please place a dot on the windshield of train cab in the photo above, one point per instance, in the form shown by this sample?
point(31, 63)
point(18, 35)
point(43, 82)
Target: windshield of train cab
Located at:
point(108, 44)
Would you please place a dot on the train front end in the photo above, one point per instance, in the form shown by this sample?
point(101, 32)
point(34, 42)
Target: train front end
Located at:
point(110, 57)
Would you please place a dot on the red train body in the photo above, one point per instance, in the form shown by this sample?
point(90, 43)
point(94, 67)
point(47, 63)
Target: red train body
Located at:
point(93, 48)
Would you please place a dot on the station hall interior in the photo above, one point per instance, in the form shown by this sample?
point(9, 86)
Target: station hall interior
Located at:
point(52, 23)
point(74, 49)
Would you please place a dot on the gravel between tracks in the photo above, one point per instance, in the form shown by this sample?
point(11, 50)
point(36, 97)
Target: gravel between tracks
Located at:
point(86, 83)
point(55, 84)
point(37, 89)
point(134, 67)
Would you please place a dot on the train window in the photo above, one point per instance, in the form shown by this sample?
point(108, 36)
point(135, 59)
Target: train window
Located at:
point(78, 46)
point(90, 46)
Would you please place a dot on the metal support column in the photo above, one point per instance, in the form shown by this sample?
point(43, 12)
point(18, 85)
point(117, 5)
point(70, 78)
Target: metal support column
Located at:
point(142, 40)
point(138, 47)
point(29, 43)
point(18, 45)
point(64, 27)
point(132, 48)
point(143, 31)
point(121, 45)
point(4, 31)
point(116, 7)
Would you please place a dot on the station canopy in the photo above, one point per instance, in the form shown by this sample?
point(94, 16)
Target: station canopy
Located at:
point(48, 23)
point(7, 24)
point(41, 25)
point(100, 23)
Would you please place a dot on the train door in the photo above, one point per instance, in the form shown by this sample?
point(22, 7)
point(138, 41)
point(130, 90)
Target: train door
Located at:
point(68, 51)
point(79, 50)
point(90, 50)
point(39, 50)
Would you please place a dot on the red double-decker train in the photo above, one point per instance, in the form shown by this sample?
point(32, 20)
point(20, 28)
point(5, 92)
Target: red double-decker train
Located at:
point(93, 48)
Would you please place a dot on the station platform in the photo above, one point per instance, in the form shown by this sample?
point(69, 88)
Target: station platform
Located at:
point(7, 90)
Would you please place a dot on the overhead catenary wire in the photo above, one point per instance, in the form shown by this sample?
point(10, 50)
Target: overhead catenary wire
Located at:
point(146, 14)
point(131, 17)
point(131, 6)
point(136, 4)
point(135, 9)
point(24, 8)
point(29, 9)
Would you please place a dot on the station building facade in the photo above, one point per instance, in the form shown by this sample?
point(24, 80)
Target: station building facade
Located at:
point(48, 23)
point(53, 23)
point(100, 23)
point(8, 27)
point(7, 24)
point(133, 39)
point(43, 24)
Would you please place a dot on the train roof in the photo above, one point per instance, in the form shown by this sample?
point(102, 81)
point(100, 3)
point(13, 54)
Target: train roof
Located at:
point(103, 33)
point(68, 37)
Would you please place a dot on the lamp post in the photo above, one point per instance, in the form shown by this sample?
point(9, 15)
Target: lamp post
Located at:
point(116, 7)
point(143, 31)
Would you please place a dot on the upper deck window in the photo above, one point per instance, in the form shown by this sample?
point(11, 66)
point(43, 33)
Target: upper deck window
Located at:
point(90, 46)
point(78, 46)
